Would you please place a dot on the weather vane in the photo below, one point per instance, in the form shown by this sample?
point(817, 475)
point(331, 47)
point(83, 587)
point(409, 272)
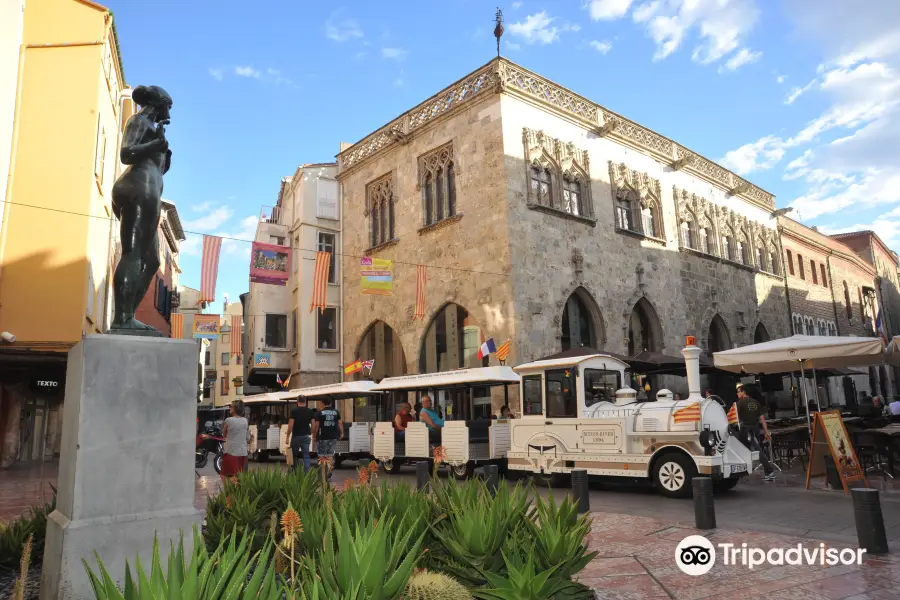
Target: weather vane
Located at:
point(498, 30)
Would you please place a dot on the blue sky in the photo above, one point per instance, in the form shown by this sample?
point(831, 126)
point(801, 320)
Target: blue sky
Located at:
point(799, 96)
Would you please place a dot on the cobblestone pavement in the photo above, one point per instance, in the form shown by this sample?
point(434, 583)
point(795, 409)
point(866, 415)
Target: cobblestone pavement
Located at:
point(635, 531)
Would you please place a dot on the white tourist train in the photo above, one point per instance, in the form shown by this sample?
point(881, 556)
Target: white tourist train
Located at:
point(573, 419)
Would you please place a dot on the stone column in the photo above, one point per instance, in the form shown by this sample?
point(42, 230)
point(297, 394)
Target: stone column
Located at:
point(126, 471)
point(379, 370)
point(451, 317)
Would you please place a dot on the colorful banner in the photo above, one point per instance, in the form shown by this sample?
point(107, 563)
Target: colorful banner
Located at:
point(209, 268)
point(262, 360)
point(177, 330)
point(207, 326)
point(320, 282)
point(237, 334)
point(377, 276)
point(421, 280)
point(270, 264)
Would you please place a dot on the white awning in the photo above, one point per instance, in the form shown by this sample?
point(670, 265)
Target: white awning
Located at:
point(272, 397)
point(813, 351)
point(348, 389)
point(561, 363)
point(446, 379)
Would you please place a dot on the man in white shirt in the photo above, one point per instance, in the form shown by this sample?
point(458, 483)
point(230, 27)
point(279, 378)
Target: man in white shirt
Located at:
point(895, 407)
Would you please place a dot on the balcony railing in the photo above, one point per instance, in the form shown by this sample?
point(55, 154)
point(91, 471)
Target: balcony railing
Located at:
point(270, 214)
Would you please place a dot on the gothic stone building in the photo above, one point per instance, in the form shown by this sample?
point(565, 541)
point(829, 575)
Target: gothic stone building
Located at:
point(551, 221)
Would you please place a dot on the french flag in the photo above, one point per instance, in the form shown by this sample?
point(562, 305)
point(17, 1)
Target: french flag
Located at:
point(487, 349)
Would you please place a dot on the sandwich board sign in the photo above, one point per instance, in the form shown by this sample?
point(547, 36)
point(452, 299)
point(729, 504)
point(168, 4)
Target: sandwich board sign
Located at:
point(829, 435)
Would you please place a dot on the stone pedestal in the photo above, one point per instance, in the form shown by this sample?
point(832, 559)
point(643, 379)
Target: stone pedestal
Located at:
point(126, 467)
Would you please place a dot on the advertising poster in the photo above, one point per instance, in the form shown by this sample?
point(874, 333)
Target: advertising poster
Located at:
point(206, 327)
point(270, 264)
point(377, 276)
point(830, 436)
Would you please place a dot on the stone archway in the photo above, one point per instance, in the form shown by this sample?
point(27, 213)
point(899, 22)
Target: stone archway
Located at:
point(718, 338)
point(761, 334)
point(644, 331)
point(451, 341)
point(382, 344)
point(582, 322)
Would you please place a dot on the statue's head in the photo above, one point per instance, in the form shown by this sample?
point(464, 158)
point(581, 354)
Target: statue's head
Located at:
point(154, 97)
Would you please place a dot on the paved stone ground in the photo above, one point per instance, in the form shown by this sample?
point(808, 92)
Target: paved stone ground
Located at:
point(636, 531)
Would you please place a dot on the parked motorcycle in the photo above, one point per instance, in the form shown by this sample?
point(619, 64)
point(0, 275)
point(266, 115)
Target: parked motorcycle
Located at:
point(209, 442)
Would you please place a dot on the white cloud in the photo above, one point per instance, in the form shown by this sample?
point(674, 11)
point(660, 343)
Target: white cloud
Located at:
point(342, 30)
point(601, 47)
point(393, 53)
point(237, 242)
point(217, 74)
point(215, 219)
point(742, 57)
point(516, 5)
point(608, 10)
point(246, 71)
point(722, 25)
point(539, 28)
point(798, 91)
point(203, 207)
point(780, 78)
point(512, 46)
point(762, 154)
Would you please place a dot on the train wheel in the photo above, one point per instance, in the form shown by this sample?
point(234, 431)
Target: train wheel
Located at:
point(673, 473)
point(551, 480)
point(390, 467)
point(463, 471)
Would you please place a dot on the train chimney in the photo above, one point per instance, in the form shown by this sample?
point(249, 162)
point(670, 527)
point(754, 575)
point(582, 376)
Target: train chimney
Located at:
point(691, 355)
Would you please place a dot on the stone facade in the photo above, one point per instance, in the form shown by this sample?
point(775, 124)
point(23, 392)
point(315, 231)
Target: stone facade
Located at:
point(536, 250)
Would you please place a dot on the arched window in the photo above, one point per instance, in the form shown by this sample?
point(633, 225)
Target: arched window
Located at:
point(381, 344)
point(380, 200)
point(718, 338)
point(650, 220)
point(704, 240)
point(624, 212)
point(572, 195)
point(790, 262)
point(581, 322)
point(773, 262)
point(761, 334)
point(800, 266)
point(542, 184)
point(798, 324)
point(847, 306)
point(644, 330)
point(728, 247)
point(761, 259)
point(687, 239)
point(451, 341)
point(437, 179)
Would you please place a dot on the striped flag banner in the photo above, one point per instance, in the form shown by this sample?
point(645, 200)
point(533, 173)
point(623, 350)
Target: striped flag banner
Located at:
point(688, 414)
point(733, 415)
point(421, 280)
point(209, 268)
point(320, 282)
point(503, 351)
point(177, 329)
point(237, 331)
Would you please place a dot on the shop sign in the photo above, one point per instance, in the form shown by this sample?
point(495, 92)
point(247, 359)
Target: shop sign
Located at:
point(47, 383)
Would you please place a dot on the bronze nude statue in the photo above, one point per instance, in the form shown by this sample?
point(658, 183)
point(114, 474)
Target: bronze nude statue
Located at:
point(136, 202)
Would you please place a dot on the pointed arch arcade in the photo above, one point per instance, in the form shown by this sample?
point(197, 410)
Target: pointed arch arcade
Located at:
point(644, 331)
point(451, 341)
point(718, 338)
point(582, 322)
point(380, 343)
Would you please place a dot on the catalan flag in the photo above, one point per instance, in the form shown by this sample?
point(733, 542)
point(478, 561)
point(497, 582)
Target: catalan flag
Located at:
point(177, 330)
point(237, 334)
point(209, 268)
point(733, 415)
point(421, 280)
point(287, 381)
point(320, 282)
point(503, 351)
point(688, 414)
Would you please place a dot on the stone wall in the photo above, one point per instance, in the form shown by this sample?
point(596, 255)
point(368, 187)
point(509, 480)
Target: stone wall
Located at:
point(554, 254)
point(468, 255)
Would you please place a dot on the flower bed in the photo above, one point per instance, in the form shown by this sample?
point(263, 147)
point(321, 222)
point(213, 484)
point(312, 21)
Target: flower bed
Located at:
point(270, 534)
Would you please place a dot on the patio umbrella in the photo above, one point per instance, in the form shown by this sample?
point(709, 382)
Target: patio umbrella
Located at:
point(801, 352)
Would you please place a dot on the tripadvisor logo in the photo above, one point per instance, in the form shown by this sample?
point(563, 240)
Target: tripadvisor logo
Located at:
point(695, 555)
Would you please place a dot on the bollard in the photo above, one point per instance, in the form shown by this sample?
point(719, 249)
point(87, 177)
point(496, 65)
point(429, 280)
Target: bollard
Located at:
point(580, 490)
point(492, 476)
point(704, 509)
point(423, 474)
point(869, 521)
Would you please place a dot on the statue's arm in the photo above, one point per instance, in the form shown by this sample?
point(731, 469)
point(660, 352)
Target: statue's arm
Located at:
point(168, 162)
point(133, 150)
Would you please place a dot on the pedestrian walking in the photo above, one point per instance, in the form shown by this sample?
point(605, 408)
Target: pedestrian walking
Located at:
point(237, 440)
point(300, 427)
point(753, 420)
point(327, 429)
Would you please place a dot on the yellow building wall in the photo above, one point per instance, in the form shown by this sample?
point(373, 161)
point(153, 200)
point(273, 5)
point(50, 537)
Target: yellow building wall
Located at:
point(53, 262)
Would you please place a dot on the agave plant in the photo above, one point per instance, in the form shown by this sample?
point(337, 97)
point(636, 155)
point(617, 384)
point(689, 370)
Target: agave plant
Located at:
point(223, 574)
point(15, 534)
point(362, 561)
point(526, 581)
point(558, 536)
